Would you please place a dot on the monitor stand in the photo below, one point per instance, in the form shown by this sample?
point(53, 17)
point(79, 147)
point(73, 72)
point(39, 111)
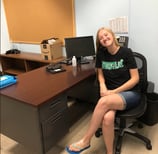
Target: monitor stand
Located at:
point(67, 62)
point(81, 60)
point(84, 62)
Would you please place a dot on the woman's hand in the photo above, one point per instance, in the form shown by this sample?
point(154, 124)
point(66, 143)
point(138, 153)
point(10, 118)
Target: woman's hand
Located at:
point(103, 89)
point(110, 92)
point(105, 92)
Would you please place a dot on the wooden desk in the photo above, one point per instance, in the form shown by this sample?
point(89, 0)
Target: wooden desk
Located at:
point(34, 111)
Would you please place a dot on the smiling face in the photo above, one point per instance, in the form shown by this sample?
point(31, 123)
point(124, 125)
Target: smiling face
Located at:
point(106, 38)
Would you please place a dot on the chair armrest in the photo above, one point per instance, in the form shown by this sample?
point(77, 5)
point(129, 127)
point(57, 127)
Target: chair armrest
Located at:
point(150, 87)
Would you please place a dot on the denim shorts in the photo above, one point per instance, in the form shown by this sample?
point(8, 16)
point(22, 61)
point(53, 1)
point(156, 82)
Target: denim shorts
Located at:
point(130, 98)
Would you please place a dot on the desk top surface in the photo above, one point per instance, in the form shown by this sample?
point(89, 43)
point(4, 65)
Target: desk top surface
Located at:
point(39, 86)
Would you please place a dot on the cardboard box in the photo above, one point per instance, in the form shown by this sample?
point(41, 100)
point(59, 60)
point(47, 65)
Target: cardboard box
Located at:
point(51, 49)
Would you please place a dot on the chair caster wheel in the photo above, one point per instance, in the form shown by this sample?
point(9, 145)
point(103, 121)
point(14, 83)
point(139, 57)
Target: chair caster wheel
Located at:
point(98, 133)
point(117, 152)
point(140, 125)
point(149, 146)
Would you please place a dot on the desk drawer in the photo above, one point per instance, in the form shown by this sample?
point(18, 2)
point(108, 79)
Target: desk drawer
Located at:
point(52, 107)
point(54, 129)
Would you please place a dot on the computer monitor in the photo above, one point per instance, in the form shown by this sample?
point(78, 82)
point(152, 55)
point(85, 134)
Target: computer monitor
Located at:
point(80, 47)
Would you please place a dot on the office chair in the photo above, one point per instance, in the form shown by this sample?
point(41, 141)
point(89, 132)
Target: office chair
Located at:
point(123, 41)
point(122, 116)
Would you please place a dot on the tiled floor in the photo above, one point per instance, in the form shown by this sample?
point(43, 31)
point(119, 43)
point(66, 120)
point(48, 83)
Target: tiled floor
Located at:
point(130, 146)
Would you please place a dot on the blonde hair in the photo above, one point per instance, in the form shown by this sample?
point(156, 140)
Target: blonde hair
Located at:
point(98, 45)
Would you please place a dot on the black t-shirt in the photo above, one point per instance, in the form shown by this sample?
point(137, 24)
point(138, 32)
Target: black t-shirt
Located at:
point(116, 67)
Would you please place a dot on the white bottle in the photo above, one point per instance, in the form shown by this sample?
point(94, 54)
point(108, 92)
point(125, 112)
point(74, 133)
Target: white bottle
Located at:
point(74, 61)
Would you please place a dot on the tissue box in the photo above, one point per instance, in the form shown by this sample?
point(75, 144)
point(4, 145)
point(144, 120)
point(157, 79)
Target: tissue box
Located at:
point(51, 49)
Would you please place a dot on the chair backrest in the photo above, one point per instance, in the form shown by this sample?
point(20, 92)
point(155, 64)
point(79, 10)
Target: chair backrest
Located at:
point(123, 41)
point(142, 68)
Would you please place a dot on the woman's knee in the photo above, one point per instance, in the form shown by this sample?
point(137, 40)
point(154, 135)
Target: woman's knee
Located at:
point(108, 119)
point(103, 102)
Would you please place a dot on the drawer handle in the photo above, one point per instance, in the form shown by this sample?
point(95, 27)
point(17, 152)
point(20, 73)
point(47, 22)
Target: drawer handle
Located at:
point(54, 103)
point(55, 118)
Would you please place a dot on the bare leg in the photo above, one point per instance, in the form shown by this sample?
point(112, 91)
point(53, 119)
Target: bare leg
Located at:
point(108, 130)
point(105, 104)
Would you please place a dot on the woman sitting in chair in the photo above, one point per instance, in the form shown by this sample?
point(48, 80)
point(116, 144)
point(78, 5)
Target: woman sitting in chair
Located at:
point(118, 77)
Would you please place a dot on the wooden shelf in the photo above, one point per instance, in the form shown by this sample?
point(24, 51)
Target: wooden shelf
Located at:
point(14, 71)
point(16, 64)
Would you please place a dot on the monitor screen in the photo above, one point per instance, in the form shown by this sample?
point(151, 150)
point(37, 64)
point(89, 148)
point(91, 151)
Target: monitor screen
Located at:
point(79, 46)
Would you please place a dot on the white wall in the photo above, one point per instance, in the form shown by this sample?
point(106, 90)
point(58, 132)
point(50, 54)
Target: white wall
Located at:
point(144, 33)
point(93, 14)
point(5, 44)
